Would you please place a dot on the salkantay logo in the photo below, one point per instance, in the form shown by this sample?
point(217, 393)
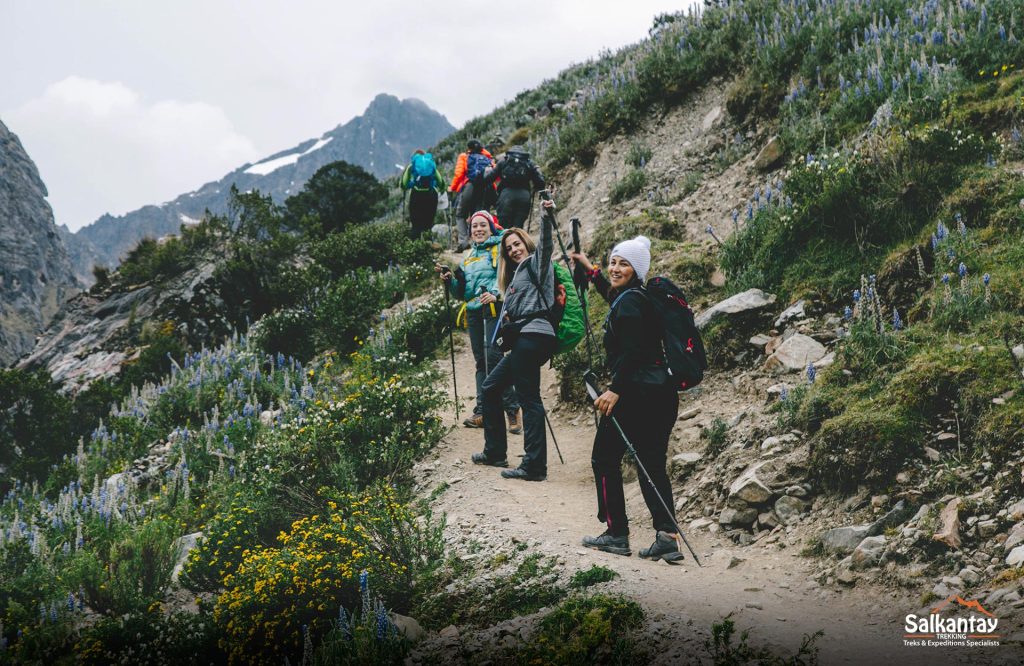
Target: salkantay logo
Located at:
point(932, 630)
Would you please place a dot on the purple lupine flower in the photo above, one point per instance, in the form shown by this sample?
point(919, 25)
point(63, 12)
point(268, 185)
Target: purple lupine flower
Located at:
point(847, 313)
point(986, 278)
point(897, 323)
point(811, 373)
point(962, 270)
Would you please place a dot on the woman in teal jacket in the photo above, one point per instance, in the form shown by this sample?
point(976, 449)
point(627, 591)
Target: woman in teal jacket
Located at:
point(476, 282)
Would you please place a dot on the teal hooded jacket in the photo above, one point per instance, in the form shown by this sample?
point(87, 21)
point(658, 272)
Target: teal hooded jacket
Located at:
point(479, 269)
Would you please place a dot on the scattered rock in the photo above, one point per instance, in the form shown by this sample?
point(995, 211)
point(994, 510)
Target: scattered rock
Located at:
point(408, 627)
point(795, 311)
point(796, 353)
point(183, 546)
point(896, 516)
point(949, 534)
point(987, 528)
point(1016, 557)
point(843, 540)
point(767, 520)
point(712, 117)
point(1015, 538)
point(685, 461)
point(451, 631)
point(737, 517)
point(1015, 511)
point(760, 340)
point(868, 552)
point(690, 413)
point(846, 576)
point(770, 155)
point(788, 509)
point(752, 300)
point(750, 488)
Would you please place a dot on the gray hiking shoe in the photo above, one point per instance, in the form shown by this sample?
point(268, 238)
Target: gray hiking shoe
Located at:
point(663, 548)
point(482, 459)
point(609, 543)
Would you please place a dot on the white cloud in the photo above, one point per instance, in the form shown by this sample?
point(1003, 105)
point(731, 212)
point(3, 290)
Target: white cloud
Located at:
point(101, 147)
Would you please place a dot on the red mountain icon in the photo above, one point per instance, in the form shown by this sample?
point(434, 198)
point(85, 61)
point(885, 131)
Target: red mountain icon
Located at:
point(972, 605)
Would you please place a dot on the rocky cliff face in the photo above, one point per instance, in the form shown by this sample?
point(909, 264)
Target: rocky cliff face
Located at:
point(380, 141)
point(35, 273)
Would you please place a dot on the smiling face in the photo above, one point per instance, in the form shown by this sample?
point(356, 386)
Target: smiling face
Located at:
point(515, 249)
point(479, 230)
point(620, 272)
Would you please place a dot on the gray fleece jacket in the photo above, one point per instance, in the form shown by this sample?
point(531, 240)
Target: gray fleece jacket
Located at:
point(521, 296)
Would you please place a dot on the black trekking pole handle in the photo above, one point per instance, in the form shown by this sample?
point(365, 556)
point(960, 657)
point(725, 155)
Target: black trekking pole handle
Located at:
point(680, 537)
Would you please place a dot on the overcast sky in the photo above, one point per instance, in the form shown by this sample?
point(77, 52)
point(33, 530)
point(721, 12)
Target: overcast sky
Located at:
point(123, 103)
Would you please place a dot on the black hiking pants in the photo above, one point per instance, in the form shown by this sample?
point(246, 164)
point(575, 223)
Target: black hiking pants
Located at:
point(521, 368)
point(471, 199)
point(486, 356)
point(422, 208)
point(514, 207)
point(646, 416)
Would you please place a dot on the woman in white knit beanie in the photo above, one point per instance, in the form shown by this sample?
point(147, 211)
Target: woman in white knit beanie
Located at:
point(640, 397)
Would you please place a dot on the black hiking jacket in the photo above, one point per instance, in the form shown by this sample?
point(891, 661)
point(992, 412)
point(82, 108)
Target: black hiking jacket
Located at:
point(632, 338)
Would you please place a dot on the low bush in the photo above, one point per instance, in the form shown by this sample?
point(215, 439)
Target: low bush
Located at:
point(629, 186)
point(321, 565)
point(589, 630)
point(592, 576)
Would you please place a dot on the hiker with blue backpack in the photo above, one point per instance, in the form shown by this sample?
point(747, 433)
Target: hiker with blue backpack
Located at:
point(653, 351)
point(476, 282)
point(468, 184)
point(517, 177)
point(423, 179)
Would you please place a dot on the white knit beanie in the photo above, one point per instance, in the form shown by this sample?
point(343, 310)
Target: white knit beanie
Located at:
point(637, 251)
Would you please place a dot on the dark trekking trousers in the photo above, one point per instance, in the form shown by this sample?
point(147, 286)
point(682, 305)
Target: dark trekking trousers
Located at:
point(514, 207)
point(520, 367)
point(479, 327)
point(470, 201)
point(422, 208)
point(646, 415)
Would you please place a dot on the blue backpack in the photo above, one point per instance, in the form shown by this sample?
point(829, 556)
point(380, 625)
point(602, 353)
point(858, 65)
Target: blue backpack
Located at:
point(423, 170)
point(476, 164)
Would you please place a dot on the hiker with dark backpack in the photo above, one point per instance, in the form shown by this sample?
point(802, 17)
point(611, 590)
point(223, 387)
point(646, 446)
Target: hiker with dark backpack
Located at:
point(476, 282)
point(648, 363)
point(423, 180)
point(527, 330)
point(515, 175)
point(468, 184)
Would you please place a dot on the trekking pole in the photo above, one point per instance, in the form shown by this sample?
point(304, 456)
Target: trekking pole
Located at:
point(680, 537)
point(483, 319)
point(551, 428)
point(452, 207)
point(451, 345)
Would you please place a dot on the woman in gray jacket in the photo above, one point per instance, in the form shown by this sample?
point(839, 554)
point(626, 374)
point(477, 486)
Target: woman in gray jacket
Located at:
point(526, 277)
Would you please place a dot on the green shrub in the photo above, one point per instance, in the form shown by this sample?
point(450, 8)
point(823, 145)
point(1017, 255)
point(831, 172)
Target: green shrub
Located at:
point(629, 186)
point(131, 574)
point(316, 569)
point(638, 155)
point(592, 576)
point(725, 653)
point(717, 437)
point(35, 424)
point(338, 196)
point(153, 637)
point(588, 630)
point(373, 246)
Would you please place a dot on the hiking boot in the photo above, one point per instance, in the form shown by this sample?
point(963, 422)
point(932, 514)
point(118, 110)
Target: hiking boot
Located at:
point(523, 475)
point(514, 426)
point(609, 543)
point(663, 548)
point(475, 421)
point(482, 459)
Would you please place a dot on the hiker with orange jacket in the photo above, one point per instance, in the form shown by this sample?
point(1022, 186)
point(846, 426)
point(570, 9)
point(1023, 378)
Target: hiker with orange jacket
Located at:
point(468, 183)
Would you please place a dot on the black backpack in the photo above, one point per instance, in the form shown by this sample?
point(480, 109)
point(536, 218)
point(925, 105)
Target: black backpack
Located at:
point(684, 349)
point(516, 170)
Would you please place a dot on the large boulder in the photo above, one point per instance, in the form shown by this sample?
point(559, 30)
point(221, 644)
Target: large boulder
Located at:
point(748, 302)
point(796, 353)
point(183, 546)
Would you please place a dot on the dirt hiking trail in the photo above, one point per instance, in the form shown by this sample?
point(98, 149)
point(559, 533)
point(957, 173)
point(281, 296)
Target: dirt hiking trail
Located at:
point(768, 592)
